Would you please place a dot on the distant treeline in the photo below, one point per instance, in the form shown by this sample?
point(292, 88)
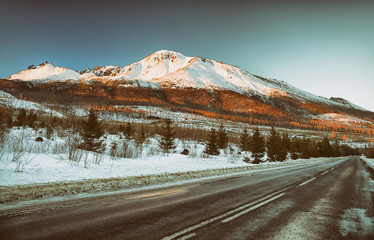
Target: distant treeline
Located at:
point(252, 144)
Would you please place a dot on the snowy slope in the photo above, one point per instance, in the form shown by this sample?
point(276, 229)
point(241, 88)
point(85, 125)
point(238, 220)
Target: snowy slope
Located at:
point(46, 72)
point(9, 101)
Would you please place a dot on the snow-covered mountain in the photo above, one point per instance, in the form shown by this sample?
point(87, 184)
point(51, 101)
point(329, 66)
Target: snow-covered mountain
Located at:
point(46, 72)
point(168, 69)
point(172, 69)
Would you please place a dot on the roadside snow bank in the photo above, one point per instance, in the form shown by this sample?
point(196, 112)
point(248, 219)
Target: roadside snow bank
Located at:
point(38, 191)
point(369, 165)
point(369, 161)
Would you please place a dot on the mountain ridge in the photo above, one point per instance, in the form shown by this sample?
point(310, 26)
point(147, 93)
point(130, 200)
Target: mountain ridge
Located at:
point(171, 69)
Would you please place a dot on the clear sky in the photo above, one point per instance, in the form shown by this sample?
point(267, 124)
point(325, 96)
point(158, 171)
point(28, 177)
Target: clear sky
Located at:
point(321, 46)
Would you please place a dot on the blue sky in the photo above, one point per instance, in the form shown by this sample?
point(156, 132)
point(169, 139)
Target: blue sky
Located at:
point(324, 47)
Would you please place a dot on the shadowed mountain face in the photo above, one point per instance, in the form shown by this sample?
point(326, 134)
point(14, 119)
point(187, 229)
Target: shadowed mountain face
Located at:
point(192, 84)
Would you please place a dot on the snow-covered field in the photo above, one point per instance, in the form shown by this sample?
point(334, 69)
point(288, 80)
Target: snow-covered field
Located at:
point(48, 161)
point(45, 168)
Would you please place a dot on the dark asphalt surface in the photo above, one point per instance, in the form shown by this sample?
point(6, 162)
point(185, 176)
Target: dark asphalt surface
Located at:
point(329, 200)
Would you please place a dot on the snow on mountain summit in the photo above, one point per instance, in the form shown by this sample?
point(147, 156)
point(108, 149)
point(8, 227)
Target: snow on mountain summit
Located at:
point(155, 65)
point(45, 72)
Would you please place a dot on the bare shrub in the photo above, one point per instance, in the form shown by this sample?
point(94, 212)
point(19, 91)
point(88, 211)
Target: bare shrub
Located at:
point(39, 147)
point(19, 152)
point(129, 150)
point(233, 158)
point(58, 148)
point(17, 147)
point(193, 150)
point(72, 143)
point(205, 155)
point(113, 150)
point(76, 156)
point(3, 140)
point(97, 157)
point(151, 150)
point(85, 162)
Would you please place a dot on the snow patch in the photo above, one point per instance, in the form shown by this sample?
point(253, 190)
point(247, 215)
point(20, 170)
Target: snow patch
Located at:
point(355, 223)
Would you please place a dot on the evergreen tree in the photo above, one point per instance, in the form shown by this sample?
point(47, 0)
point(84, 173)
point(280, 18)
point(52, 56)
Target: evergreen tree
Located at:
point(245, 140)
point(92, 133)
point(9, 121)
point(336, 149)
point(257, 146)
point(273, 145)
point(222, 139)
point(212, 147)
point(325, 148)
point(31, 119)
point(21, 117)
point(167, 140)
point(295, 148)
point(49, 131)
point(128, 131)
point(313, 148)
point(284, 146)
point(140, 138)
point(286, 141)
point(282, 151)
point(305, 149)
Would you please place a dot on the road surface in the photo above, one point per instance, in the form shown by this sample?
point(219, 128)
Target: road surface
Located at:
point(329, 200)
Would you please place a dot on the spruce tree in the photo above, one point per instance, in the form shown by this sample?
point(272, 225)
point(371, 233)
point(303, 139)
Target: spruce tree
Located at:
point(31, 118)
point(336, 148)
point(140, 138)
point(49, 131)
point(305, 149)
point(212, 148)
point(273, 145)
point(284, 146)
point(257, 146)
point(294, 148)
point(244, 140)
point(325, 148)
point(222, 139)
point(21, 117)
point(286, 141)
point(128, 131)
point(91, 133)
point(167, 136)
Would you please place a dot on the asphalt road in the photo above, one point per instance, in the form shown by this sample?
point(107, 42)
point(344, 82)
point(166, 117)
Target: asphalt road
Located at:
point(331, 200)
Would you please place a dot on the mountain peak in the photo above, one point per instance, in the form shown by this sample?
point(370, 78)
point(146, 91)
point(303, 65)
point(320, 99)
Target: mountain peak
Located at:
point(166, 55)
point(45, 72)
point(45, 63)
point(167, 52)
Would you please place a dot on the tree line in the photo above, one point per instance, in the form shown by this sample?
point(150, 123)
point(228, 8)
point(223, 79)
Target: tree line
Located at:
point(278, 147)
point(253, 145)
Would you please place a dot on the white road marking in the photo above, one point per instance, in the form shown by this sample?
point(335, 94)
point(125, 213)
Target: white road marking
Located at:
point(206, 222)
point(187, 236)
point(324, 172)
point(252, 208)
point(301, 184)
